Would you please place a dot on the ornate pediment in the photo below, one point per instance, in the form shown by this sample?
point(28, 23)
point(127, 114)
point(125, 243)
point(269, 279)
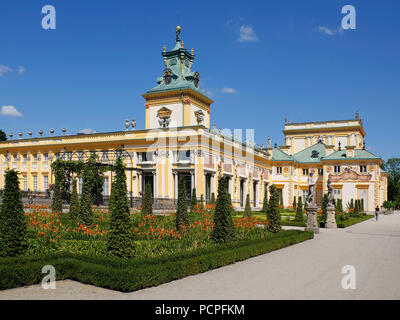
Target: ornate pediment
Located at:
point(349, 174)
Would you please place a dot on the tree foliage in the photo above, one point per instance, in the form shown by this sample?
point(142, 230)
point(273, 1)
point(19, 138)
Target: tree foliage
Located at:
point(74, 202)
point(86, 212)
point(247, 208)
point(182, 220)
point(193, 200)
point(13, 230)
point(299, 210)
point(3, 136)
point(223, 230)
point(265, 202)
point(120, 238)
point(147, 202)
point(392, 167)
point(212, 201)
point(273, 213)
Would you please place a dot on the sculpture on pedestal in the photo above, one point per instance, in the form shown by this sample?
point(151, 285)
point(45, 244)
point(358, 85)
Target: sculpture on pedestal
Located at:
point(311, 191)
point(311, 207)
point(330, 209)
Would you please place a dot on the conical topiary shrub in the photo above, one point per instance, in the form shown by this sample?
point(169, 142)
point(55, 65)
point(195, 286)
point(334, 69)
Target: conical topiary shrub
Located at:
point(193, 200)
point(273, 213)
point(299, 211)
point(223, 230)
point(182, 220)
point(85, 206)
point(74, 202)
point(120, 238)
point(265, 203)
point(212, 201)
point(294, 203)
point(13, 230)
point(247, 208)
point(147, 203)
point(202, 202)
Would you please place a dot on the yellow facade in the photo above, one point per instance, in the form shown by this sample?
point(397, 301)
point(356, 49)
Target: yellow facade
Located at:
point(178, 142)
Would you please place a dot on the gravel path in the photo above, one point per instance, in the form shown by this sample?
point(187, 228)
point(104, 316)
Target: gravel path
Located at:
point(309, 270)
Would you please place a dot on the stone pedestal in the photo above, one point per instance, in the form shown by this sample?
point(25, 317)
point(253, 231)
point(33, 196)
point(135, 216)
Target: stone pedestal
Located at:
point(312, 223)
point(330, 217)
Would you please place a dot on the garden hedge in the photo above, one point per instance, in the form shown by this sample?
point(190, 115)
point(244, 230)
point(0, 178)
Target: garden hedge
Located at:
point(133, 274)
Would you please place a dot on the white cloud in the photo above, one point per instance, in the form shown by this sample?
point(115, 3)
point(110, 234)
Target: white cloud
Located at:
point(328, 31)
point(87, 131)
point(247, 34)
point(10, 111)
point(229, 90)
point(21, 70)
point(4, 69)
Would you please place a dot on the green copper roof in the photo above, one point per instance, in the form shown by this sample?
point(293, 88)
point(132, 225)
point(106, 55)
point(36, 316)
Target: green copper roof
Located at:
point(279, 155)
point(178, 72)
point(311, 154)
point(359, 154)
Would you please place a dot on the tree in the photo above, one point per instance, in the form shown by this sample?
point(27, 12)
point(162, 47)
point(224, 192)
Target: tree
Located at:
point(182, 220)
point(339, 206)
point(265, 202)
point(3, 136)
point(120, 238)
point(13, 230)
point(324, 207)
point(392, 167)
point(247, 208)
point(95, 181)
point(202, 202)
point(74, 202)
point(85, 212)
point(273, 213)
point(299, 210)
point(212, 201)
point(147, 203)
point(356, 208)
point(294, 203)
point(223, 230)
point(193, 201)
point(57, 190)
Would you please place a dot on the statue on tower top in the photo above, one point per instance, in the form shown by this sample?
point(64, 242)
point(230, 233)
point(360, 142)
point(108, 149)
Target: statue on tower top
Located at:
point(178, 32)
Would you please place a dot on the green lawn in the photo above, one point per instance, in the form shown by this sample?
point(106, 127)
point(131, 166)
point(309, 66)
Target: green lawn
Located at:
point(350, 221)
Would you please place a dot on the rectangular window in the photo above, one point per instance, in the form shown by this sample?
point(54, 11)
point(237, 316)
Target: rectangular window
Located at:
point(305, 172)
point(147, 156)
point(336, 193)
point(25, 183)
point(320, 171)
point(34, 183)
point(337, 169)
point(45, 183)
point(363, 169)
point(35, 157)
point(25, 157)
point(278, 170)
point(46, 157)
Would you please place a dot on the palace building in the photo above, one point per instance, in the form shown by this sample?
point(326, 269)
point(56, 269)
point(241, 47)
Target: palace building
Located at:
point(178, 141)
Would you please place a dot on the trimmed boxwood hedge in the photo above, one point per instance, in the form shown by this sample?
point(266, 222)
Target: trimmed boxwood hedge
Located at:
point(133, 274)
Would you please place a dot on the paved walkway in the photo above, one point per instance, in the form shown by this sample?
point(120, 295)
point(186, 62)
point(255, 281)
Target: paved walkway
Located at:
point(309, 270)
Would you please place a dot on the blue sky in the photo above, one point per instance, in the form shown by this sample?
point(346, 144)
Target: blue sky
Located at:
point(260, 61)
